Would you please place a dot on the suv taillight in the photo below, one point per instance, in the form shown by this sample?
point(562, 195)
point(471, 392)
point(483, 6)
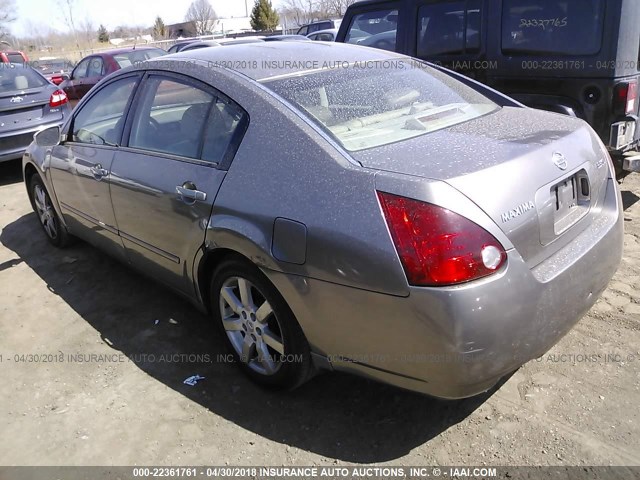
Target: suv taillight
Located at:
point(58, 98)
point(625, 97)
point(437, 246)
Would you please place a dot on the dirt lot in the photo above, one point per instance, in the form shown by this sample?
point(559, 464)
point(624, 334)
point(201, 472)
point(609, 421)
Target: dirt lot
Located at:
point(579, 405)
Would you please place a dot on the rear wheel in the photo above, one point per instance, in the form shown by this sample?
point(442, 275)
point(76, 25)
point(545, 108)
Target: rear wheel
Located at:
point(259, 327)
point(49, 219)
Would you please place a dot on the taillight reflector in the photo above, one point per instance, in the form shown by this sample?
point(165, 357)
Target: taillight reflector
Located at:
point(625, 98)
point(437, 246)
point(58, 98)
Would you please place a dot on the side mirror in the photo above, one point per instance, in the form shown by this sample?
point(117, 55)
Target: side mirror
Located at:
point(49, 137)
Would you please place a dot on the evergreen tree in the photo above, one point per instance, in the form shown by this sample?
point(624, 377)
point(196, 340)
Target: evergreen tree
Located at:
point(159, 29)
point(264, 17)
point(103, 35)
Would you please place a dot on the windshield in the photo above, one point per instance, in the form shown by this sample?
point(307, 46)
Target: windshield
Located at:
point(556, 27)
point(376, 103)
point(130, 58)
point(18, 77)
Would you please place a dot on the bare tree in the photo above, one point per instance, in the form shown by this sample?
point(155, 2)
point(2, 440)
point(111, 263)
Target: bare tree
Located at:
point(305, 11)
point(202, 15)
point(7, 15)
point(67, 7)
point(337, 8)
point(87, 31)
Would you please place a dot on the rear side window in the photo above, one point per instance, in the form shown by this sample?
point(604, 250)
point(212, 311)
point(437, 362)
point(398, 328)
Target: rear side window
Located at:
point(101, 119)
point(180, 119)
point(324, 37)
point(377, 29)
point(449, 28)
point(552, 27)
point(81, 70)
point(95, 68)
point(131, 58)
point(15, 78)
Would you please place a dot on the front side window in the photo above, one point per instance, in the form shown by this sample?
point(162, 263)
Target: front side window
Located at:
point(365, 108)
point(180, 119)
point(552, 27)
point(101, 119)
point(377, 29)
point(449, 28)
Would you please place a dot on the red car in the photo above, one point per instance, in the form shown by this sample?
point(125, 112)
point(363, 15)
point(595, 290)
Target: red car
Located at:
point(13, 56)
point(95, 67)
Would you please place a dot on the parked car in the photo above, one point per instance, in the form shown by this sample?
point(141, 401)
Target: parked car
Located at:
point(577, 57)
point(95, 67)
point(219, 42)
point(175, 48)
point(28, 103)
point(13, 56)
point(56, 70)
point(434, 235)
point(328, 35)
point(285, 38)
point(319, 25)
point(331, 34)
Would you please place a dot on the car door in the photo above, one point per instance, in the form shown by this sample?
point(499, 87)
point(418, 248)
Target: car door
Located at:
point(164, 182)
point(80, 165)
point(72, 86)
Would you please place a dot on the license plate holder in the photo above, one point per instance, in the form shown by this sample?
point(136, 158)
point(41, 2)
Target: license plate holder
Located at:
point(572, 197)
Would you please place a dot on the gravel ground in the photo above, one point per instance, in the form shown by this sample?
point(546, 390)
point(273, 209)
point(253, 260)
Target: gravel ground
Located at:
point(578, 405)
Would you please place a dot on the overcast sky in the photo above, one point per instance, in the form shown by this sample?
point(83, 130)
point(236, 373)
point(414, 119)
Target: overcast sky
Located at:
point(33, 15)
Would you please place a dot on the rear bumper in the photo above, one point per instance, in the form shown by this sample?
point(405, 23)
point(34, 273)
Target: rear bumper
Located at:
point(457, 342)
point(13, 144)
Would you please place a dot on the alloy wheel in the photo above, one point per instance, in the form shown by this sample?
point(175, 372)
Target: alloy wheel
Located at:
point(45, 211)
point(251, 325)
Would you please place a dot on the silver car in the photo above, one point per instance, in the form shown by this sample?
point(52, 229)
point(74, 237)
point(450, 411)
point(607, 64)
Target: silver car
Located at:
point(28, 103)
point(339, 207)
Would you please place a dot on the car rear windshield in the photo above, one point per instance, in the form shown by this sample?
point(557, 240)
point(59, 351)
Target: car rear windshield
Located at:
point(376, 103)
point(552, 27)
point(131, 58)
point(15, 58)
point(14, 78)
point(52, 66)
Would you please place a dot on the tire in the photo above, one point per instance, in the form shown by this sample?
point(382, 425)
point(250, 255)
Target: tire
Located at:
point(50, 222)
point(258, 326)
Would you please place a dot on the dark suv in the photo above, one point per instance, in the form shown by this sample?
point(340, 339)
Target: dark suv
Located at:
point(577, 57)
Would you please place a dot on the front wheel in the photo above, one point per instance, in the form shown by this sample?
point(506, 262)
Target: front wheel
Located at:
point(49, 219)
point(259, 327)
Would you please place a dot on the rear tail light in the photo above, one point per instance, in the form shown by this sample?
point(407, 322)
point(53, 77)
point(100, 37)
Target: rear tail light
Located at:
point(437, 246)
point(625, 98)
point(57, 79)
point(58, 98)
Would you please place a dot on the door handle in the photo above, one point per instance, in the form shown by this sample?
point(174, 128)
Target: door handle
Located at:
point(98, 171)
point(188, 191)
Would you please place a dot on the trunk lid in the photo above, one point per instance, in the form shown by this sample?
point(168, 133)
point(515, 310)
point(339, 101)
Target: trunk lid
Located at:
point(539, 176)
point(20, 109)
